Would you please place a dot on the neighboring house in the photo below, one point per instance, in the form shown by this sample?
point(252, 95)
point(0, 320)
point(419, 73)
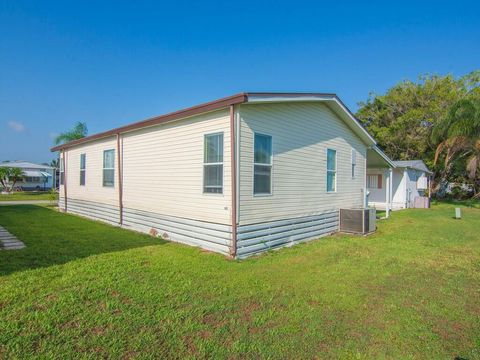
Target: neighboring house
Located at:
point(35, 176)
point(399, 184)
point(239, 175)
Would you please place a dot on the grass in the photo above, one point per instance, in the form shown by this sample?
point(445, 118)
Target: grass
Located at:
point(472, 203)
point(28, 195)
point(82, 289)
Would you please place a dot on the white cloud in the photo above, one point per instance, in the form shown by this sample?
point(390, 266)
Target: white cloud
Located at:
point(16, 126)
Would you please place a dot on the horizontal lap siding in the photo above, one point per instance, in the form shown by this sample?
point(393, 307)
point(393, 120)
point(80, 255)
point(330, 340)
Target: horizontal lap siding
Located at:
point(214, 237)
point(301, 134)
point(163, 169)
point(93, 190)
point(92, 210)
point(257, 238)
point(162, 183)
point(210, 236)
point(399, 196)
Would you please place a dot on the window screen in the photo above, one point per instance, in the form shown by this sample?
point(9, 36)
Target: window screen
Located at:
point(109, 168)
point(82, 168)
point(262, 172)
point(213, 164)
point(331, 170)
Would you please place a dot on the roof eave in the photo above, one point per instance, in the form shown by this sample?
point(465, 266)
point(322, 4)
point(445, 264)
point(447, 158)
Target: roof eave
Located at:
point(251, 97)
point(184, 113)
point(306, 97)
point(384, 156)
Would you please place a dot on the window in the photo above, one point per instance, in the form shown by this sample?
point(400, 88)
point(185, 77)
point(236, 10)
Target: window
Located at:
point(331, 170)
point(354, 162)
point(374, 181)
point(262, 165)
point(32, 179)
point(62, 172)
point(82, 168)
point(213, 164)
point(109, 168)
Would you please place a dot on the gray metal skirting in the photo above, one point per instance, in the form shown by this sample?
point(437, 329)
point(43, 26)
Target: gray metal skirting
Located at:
point(251, 239)
point(210, 236)
point(254, 239)
point(92, 210)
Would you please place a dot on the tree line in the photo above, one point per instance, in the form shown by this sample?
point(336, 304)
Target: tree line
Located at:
point(436, 119)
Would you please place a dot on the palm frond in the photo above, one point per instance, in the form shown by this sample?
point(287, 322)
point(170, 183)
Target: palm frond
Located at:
point(473, 164)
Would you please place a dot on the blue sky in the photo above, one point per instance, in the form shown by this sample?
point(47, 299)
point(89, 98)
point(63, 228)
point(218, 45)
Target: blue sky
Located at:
point(112, 63)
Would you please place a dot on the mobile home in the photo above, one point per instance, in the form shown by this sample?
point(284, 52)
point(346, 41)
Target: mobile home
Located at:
point(239, 175)
point(39, 177)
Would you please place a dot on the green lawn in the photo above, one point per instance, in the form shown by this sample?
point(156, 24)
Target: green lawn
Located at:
point(82, 289)
point(28, 195)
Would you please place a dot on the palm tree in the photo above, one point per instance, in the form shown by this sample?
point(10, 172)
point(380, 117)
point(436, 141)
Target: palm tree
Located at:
point(10, 175)
point(55, 163)
point(79, 131)
point(4, 171)
point(458, 137)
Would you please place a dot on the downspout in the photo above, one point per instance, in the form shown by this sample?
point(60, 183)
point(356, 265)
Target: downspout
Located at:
point(390, 170)
point(233, 176)
point(64, 179)
point(387, 194)
point(120, 182)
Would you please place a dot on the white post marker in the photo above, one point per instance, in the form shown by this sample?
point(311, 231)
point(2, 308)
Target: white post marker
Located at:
point(458, 213)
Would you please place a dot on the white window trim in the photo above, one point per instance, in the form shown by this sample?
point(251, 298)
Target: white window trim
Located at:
point(261, 164)
point(61, 180)
point(84, 169)
point(353, 166)
point(335, 171)
point(217, 163)
point(104, 168)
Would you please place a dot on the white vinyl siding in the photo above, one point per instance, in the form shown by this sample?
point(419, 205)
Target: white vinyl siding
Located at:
point(82, 169)
point(213, 164)
point(62, 172)
point(109, 168)
point(93, 190)
point(354, 162)
point(262, 163)
point(301, 133)
point(163, 169)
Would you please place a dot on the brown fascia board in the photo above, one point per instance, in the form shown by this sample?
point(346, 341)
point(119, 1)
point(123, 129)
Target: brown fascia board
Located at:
point(194, 110)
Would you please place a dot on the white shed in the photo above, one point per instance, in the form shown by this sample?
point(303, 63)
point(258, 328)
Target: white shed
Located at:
point(239, 175)
point(396, 185)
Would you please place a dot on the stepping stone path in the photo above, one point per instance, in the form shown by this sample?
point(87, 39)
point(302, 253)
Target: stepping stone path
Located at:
point(9, 241)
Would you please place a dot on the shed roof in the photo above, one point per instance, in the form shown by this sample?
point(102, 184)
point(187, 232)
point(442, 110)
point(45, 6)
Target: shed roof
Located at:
point(246, 97)
point(414, 164)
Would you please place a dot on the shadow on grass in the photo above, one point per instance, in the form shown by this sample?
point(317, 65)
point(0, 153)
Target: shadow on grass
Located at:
point(54, 238)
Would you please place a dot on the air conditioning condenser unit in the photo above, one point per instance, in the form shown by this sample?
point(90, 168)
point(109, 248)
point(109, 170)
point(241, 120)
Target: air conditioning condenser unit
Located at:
point(358, 221)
